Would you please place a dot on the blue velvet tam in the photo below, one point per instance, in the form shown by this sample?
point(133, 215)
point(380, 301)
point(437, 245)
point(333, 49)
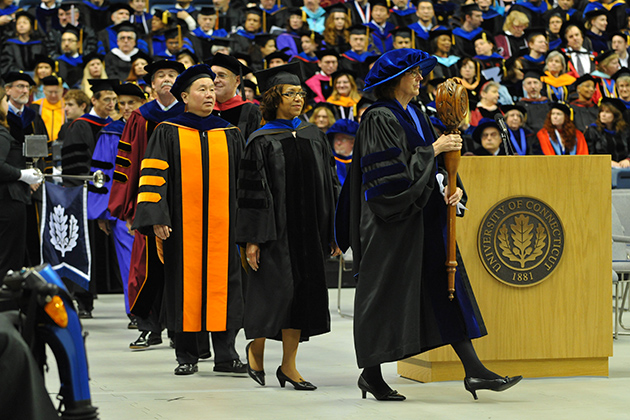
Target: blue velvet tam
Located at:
point(342, 126)
point(483, 124)
point(189, 76)
point(396, 62)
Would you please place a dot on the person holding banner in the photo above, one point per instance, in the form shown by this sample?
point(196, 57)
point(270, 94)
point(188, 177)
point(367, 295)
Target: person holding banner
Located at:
point(14, 195)
point(130, 98)
point(187, 199)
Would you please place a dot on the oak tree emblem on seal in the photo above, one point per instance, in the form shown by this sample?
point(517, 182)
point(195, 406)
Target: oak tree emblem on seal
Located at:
point(520, 241)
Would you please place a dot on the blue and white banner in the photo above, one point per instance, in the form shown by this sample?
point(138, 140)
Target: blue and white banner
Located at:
point(65, 242)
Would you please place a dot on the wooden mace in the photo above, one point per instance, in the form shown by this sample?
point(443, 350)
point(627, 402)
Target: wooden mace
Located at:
point(452, 107)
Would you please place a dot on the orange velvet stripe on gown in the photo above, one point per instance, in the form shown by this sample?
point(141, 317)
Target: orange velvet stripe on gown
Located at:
point(218, 221)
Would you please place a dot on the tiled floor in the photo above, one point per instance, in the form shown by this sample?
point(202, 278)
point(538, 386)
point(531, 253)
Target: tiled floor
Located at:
point(140, 385)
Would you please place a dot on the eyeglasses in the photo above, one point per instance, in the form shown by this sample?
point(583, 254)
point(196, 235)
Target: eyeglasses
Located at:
point(415, 73)
point(293, 94)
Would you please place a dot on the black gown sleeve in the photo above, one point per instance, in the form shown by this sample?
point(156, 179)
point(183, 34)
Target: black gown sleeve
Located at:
point(396, 182)
point(255, 215)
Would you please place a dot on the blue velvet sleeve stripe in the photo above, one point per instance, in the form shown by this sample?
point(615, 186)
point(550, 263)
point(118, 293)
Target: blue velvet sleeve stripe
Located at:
point(391, 188)
point(382, 156)
point(383, 171)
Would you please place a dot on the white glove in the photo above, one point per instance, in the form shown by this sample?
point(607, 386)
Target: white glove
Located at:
point(30, 176)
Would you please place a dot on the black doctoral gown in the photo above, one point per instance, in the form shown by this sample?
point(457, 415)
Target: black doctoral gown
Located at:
point(286, 202)
point(245, 116)
point(188, 182)
point(397, 229)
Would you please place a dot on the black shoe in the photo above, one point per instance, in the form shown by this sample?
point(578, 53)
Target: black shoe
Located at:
point(85, 314)
point(473, 385)
point(146, 340)
point(300, 386)
point(256, 375)
point(232, 366)
point(133, 323)
point(391, 395)
point(186, 369)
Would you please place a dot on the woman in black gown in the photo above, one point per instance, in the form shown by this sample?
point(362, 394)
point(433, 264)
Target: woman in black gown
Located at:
point(287, 192)
point(397, 219)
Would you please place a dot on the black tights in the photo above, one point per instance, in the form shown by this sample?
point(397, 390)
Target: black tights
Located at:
point(466, 353)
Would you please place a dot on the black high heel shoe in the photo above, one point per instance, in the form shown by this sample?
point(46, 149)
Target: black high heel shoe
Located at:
point(473, 385)
point(300, 386)
point(256, 375)
point(391, 395)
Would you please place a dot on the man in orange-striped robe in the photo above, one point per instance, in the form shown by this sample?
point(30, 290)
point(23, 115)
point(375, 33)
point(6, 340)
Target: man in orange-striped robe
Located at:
point(187, 199)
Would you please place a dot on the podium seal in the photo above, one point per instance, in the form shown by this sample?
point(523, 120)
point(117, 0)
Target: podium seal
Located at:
point(520, 241)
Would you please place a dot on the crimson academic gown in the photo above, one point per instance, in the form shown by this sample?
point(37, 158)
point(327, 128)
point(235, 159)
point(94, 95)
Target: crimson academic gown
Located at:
point(188, 182)
point(122, 203)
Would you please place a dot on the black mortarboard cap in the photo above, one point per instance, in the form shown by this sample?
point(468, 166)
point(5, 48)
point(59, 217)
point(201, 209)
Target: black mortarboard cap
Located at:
point(402, 31)
point(242, 56)
point(52, 81)
point(125, 27)
point(99, 85)
point(624, 71)
point(594, 13)
point(253, 10)
point(601, 57)
point(130, 89)
point(486, 36)
point(562, 106)
point(262, 39)
point(535, 73)
point(72, 29)
point(338, 73)
point(358, 29)
point(164, 15)
point(121, 6)
point(221, 41)
point(507, 108)
point(278, 54)
point(337, 7)
point(249, 84)
point(323, 53)
point(230, 63)
point(467, 9)
point(385, 3)
point(40, 58)
point(587, 77)
point(617, 103)
point(189, 53)
point(532, 32)
point(92, 56)
point(208, 10)
point(189, 76)
point(14, 76)
point(67, 4)
point(141, 54)
point(296, 11)
point(437, 32)
point(288, 74)
point(151, 68)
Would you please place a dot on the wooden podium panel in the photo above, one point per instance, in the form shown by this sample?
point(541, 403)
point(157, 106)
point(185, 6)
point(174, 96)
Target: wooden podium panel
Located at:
point(561, 326)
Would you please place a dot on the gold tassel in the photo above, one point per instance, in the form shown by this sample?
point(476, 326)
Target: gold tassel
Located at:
point(264, 21)
point(313, 36)
point(413, 40)
point(484, 36)
point(452, 39)
point(146, 6)
point(278, 3)
point(303, 16)
point(389, 4)
point(59, 81)
point(80, 41)
point(216, 24)
point(56, 66)
point(35, 25)
point(180, 41)
point(165, 17)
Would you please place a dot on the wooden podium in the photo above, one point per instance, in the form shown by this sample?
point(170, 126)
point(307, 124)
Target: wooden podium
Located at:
point(561, 326)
